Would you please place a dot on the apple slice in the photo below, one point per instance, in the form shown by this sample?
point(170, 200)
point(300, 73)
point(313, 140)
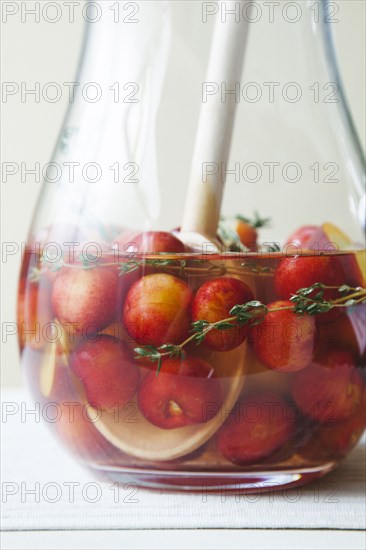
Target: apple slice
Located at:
point(47, 369)
point(141, 439)
point(54, 353)
point(336, 235)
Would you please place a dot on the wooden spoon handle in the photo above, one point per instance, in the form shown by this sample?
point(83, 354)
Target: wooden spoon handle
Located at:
point(215, 127)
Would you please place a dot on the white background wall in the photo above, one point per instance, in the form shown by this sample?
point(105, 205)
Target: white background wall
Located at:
point(49, 52)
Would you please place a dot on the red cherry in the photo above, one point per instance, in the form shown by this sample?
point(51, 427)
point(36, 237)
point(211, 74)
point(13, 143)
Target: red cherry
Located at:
point(213, 302)
point(107, 371)
point(299, 272)
point(156, 309)
point(353, 269)
point(330, 441)
point(158, 241)
point(346, 332)
point(183, 393)
point(259, 425)
point(284, 341)
point(303, 271)
point(330, 389)
point(86, 298)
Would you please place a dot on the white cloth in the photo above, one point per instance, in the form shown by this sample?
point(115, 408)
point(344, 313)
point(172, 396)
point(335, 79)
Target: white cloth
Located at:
point(33, 459)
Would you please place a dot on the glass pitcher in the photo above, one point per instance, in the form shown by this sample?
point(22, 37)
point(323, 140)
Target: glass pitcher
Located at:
point(240, 365)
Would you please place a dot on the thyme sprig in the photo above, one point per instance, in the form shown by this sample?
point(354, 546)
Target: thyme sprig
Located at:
point(182, 266)
point(309, 300)
point(230, 238)
point(255, 222)
point(132, 265)
point(253, 267)
point(273, 247)
point(54, 264)
point(190, 267)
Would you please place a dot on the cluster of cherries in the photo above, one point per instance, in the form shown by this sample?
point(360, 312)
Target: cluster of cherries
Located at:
point(157, 308)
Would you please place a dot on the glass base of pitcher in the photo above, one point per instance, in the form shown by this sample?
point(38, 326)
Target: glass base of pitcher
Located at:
point(213, 482)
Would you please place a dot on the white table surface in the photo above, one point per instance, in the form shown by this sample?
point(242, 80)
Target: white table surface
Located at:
point(208, 539)
point(329, 513)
